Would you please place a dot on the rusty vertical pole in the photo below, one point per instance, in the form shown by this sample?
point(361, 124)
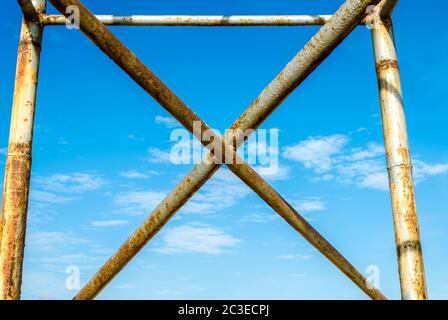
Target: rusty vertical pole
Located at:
point(407, 235)
point(18, 163)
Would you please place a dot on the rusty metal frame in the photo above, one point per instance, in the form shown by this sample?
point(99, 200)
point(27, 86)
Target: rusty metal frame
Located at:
point(334, 30)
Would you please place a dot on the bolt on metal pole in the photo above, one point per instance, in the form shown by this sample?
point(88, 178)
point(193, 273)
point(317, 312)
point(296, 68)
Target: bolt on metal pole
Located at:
point(407, 236)
point(18, 162)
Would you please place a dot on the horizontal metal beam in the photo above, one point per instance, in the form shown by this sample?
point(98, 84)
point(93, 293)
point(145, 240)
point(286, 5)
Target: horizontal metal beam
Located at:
point(307, 60)
point(200, 21)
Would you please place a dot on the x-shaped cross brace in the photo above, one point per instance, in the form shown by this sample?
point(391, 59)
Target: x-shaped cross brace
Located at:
point(295, 72)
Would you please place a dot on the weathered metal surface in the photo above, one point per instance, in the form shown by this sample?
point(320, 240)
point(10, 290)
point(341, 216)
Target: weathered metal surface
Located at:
point(18, 162)
point(30, 12)
point(318, 48)
point(407, 236)
point(200, 21)
point(385, 8)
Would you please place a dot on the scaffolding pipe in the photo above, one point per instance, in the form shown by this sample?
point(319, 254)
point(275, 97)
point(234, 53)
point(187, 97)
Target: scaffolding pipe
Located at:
point(200, 21)
point(385, 8)
point(331, 34)
point(29, 11)
point(407, 235)
point(18, 162)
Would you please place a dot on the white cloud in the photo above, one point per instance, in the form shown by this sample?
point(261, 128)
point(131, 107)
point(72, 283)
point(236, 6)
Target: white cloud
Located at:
point(300, 257)
point(309, 205)
point(224, 190)
point(422, 170)
point(132, 174)
point(108, 223)
point(44, 198)
point(44, 285)
point(183, 151)
point(260, 218)
point(196, 238)
point(168, 122)
point(136, 138)
point(138, 202)
point(316, 152)
point(331, 159)
point(74, 182)
point(52, 240)
point(156, 155)
point(371, 151)
point(58, 262)
point(124, 286)
point(63, 141)
point(375, 180)
point(53, 251)
point(168, 293)
point(281, 172)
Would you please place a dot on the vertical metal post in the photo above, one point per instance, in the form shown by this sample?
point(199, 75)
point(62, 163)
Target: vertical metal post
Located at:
point(18, 163)
point(407, 235)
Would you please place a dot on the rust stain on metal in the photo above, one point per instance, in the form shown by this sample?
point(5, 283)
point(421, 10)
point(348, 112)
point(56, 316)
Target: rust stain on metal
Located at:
point(18, 162)
point(306, 61)
point(407, 235)
point(335, 29)
point(386, 64)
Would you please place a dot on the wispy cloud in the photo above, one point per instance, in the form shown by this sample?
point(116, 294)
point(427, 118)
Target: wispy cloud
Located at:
point(63, 141)
point(224, 190)
point(136, 138)
point(45, 198)
point(168, 293)
point(138, 202)
point(295, 256)
point(133, 174)
point(156, 155)
point(282, 172)
point(259, 218)
point(422, 170)
point(317, 152)
point(332, 158)
point(108, 223)
point(309, 204)
point(3, 151)
point(180, 152)
point(168, 122)
point(73, 182)
point(45, 285)
point(53, 251)
point(53, 240)
point(49, 192)
point(196, 238)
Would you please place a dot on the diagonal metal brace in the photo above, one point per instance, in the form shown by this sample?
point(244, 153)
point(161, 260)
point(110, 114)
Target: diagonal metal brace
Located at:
point(320, 46)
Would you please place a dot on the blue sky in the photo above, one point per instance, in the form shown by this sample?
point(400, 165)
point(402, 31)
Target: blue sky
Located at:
point(100, 140)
